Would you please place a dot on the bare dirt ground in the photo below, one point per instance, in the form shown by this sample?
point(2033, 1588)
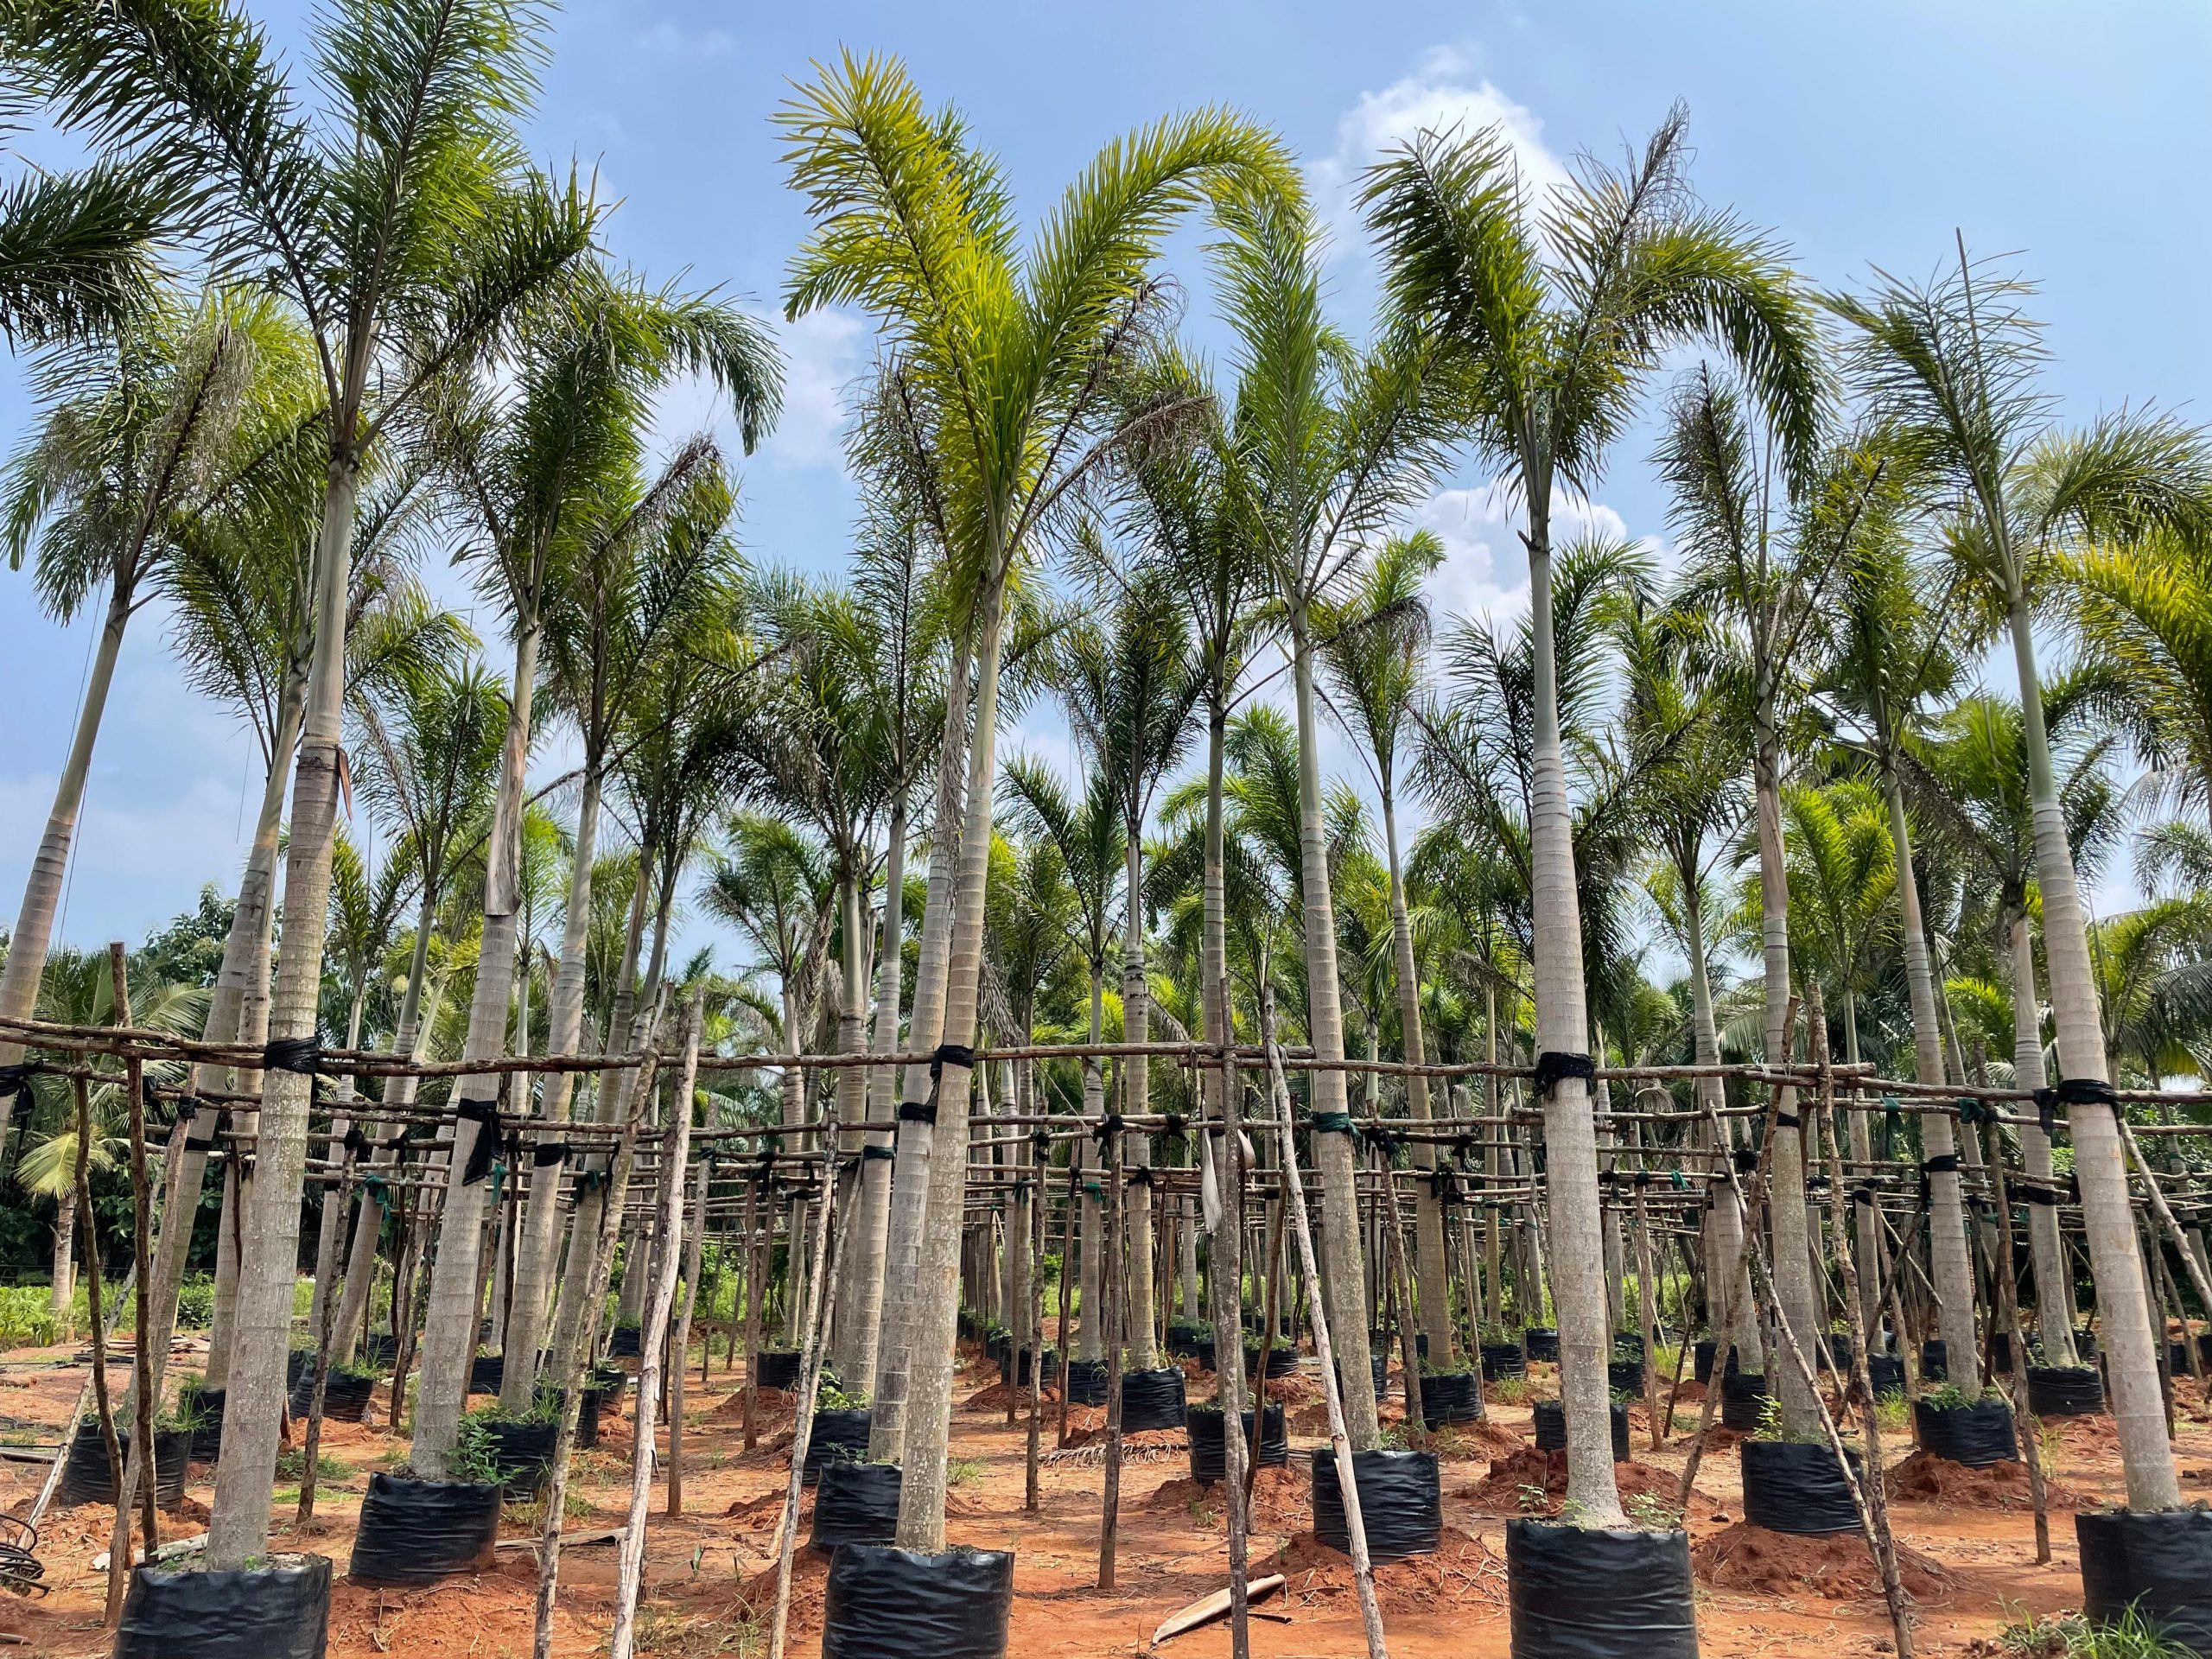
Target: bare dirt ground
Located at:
point(710, 1571)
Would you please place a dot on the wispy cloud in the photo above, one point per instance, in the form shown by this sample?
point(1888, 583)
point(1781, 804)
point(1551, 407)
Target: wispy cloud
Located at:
point(1485, 570)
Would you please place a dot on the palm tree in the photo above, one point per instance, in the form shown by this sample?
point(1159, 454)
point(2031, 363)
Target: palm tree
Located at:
point(1010, 356)
point(1950, 366)
point(1555, 327)
point(77, 251)
point(131, 446)
point(1373, 651)
point(401, 225)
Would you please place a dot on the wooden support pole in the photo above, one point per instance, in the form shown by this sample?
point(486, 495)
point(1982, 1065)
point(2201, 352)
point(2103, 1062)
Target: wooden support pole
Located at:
point(821, 1309)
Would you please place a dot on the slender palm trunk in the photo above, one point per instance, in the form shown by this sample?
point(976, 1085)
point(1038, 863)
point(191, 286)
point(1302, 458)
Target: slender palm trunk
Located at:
point(1730, 1309)
point(2054, 1315)
point(852, 1091)
point(450, 1332)
point(1091, 1344)
point(254, 1408)
point(864, 1307)
point(64, 1258)
point(331, 1224)
point(1562, 1027)
point(33, 935)
point(1137, 1074)
point(536, 1260)
point(907, 1217)
point(1793, 1262)
point(1432, 1272)
point(2100, 1163)
point(1343, 1272)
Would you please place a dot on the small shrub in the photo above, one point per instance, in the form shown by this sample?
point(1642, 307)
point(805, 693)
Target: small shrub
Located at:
point(963, 1471)
point(1891, 1411)
point(1509, 1391)
point(1649, 1510)
point(292, 1465)
point(195, 1303)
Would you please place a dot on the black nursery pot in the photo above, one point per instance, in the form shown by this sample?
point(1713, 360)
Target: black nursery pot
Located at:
point(624, 1342)
point(778, 1369)
point(380, 1347)
point(487, 1372)
point(1742, 1399)
point(2159, 1563)
point(1886, 1373)
point(277, 1612)
point(1551, 1427)
point(1380, 1364)
point(1450, 1397)
point(837, 1437)
point(895, 1604)
point(1836, 1351)
point(1382, 1341)
point(1629, 1344)
point(1152, 1399)
point(1540, 1341)
point(208, 1435)
point(1282, 1360)
point(1086, 1381)
point(1501, 1360)
point(1586, 1593)
point(2000, 1352)
point(1400, 1503)
point(416, 1532)
point(1208, 1450)
point(87, 1478)
point(1187, 1337)
point(855, 1503)
point(1976, 1435)
point(1791, 1486)
point(1626, 1375)
point(345, 1397)
point(2065, 1390)
point(523, 1452)
point(1702, 1356)
point(1935, 1360)
point(1014, 1371)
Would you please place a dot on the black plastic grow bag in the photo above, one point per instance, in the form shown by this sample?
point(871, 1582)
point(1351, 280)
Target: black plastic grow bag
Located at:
point(1501, 1360)
point(1086, 1381)
point(1702, 1355)
point(486, 1373)
point(1450, 1397)
point(522, 1451)
point(998, 1345)
point(775, 1368)
point(2000, 1353)
point(277, 1612)
point(2065, 1390)
point(1210, 1454)
point(1976, 1435)
point(837, 1437)
point(1282, 1359)
point(419, 1531)
point(87, 1478)
point(894, 1604)
point(208, 1426)
point(855, 1503)
point(1836, 1351)
point(1742, 1399)
point(1792, 1486)
point(1626, 1375)
point(1187, 1337)
point(1540, 1341)
point(379, 1348)
point(1628, 1344)
point(2158, 1563)
point(1380, 1364)
point(1401, 1502)
point(1551, 1427)
point(297, 1362)
point(1886, 1373)
point(1152, 1399)
point(1935, 1360)
point(345, 1397)
point(1015, 1370)
point(624, 1342)
point(1586, 1593)
point(591, 1402)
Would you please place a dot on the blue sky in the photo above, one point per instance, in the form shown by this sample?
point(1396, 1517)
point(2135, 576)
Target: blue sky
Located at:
point(2074, 137)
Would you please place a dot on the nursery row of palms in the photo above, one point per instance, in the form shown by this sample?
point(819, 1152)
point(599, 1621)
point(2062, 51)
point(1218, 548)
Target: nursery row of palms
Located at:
point(405, 341)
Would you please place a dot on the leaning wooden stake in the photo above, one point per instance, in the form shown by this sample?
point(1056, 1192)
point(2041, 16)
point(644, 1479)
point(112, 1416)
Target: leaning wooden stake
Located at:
point(2008, 1312)
point(679, 1343)
point(1226, 1277)
point(142, 1266)
point(2172, 1227)
point(1647, 1316)
point(1363, 1570)
point(118, 1559)
point(820, 1308)
point(1067, 1283)
point(1112, 1287)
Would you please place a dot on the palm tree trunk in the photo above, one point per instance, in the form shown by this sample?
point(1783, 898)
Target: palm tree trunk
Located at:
point(864, 1306)
point(1091, 1344)
point(2099, 1164)
point(1432, 1271)
point(2054, 1317)
point(536, 1260)
point(1345, 1274)
point(65, 1259)
point(794, 1114)
point(907, 1210)
point(1793, 1264)
point(332, 1221)
point(449, 1331)
point(27, 946)
point(1562, 1027)
point(852, 1093)
point(254, 1406)
point(1137, 1074)
point(924, 1381)
point(1730, 1309)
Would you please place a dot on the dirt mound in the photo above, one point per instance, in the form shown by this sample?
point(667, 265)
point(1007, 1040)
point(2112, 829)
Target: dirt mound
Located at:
point(1833, 1565)
point(1283, 1502)
point(762, 1511)
point(1182, 1494)
point(1924, 1478)
point(999, 1395)
point(770, 1406)
point(2092, 1436)
point(1152, 1439)
point(809, 1585)
point(1692, 1393)
point(1460, 1573)
point(1508, 1487)
point(1486, 1439)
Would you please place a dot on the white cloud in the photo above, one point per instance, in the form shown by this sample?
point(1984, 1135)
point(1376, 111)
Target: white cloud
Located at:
point(1485, 570)
point(1442, 93)
point(823, 353)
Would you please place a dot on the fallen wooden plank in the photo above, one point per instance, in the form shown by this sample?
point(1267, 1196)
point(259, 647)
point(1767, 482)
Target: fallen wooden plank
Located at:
point(168, 1551)
point(568, 1540)
point(1207, 1609)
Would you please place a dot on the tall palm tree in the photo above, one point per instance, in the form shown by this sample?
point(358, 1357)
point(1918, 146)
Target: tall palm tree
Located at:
point(1555, 323)
point(400, 222)
point(1951, 367)
point(78, 251)
point(1009, 353)
point(131, 446)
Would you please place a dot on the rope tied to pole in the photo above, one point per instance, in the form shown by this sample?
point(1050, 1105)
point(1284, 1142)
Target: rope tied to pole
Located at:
point(300, 1055)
